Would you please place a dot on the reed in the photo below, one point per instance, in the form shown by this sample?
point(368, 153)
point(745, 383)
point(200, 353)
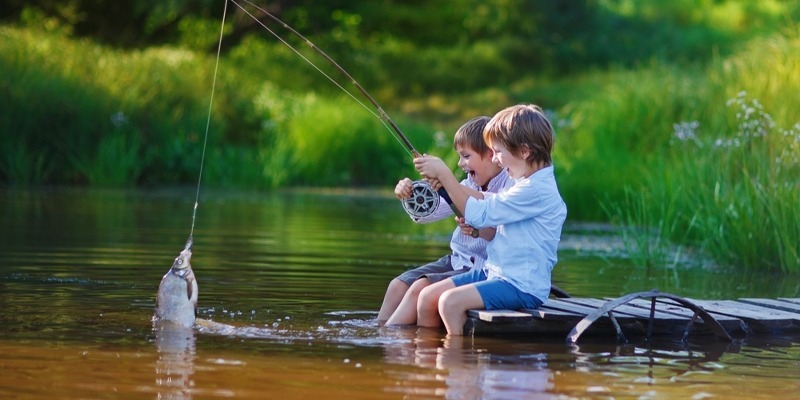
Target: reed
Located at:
point(115, 162)
point(725, 182)
point(744, 198)
point(22, 166)
point(614, 134)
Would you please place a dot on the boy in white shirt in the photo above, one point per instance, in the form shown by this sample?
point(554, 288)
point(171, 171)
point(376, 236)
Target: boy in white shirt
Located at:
point(474, 157)
point(528, 218)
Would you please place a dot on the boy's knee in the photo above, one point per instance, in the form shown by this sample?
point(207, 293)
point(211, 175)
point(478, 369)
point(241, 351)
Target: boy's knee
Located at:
point(419, 285)
point(397, 286)
point(449, 304)
point(426, 295)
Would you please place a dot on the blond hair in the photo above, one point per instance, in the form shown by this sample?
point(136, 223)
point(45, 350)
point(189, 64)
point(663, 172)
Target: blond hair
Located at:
point(522, 127)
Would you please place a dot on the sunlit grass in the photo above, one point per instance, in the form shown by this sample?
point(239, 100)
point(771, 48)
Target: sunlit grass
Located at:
point(722, 177)
point(617, 154)
point(741, 190)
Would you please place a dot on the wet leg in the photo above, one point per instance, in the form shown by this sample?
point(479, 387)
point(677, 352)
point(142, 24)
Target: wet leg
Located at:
point(394, 294)
point(406, 312)
point(427, 305)
point(453, 306)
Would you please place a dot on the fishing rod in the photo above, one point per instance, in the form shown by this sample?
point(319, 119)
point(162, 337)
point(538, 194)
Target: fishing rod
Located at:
point(423, 200)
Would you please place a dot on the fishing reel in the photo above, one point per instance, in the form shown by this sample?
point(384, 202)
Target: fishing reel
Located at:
point(423, 201)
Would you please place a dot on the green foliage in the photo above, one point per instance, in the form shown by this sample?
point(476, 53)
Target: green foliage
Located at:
point(614, 133)
point(336, 142)
point(23, 166)
point(727, 183)
point(616, 77)
point(744, 192)
point(116, 160)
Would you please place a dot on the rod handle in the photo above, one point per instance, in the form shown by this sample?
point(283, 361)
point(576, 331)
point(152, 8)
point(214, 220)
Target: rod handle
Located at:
point(446, 197)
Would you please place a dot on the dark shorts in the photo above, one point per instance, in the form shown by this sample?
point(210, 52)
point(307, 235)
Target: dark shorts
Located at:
point(496, 293)
point(435, 271)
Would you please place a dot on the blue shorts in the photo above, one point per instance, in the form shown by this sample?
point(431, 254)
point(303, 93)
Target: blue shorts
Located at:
point(496, 293)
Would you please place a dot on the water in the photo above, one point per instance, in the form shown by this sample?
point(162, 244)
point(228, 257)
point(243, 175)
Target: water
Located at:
point(298, 277)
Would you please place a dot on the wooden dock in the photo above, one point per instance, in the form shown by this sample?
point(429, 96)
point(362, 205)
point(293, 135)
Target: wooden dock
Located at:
point(646, 314)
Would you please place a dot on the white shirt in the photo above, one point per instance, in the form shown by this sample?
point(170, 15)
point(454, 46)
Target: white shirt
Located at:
point(467, 251)
point(528, 217)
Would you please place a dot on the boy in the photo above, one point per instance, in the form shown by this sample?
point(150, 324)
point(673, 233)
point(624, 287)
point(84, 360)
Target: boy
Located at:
point(528, 216)
point(467, 252)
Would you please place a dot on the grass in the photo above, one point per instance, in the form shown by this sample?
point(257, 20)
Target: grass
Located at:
point(745, 210)
point(656, 149)
point(726, 181)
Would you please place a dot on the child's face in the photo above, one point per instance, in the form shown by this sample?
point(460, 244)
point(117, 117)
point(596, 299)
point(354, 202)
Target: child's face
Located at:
point(517, 167)
point(481, 169)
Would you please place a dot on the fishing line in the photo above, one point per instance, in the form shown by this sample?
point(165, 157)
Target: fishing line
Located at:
point(424, 199)
point(381, 115)
point(208, 126)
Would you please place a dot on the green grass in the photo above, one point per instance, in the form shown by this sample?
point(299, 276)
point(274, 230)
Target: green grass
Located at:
point(61, 98)
point(721, 177)
point(75, 112)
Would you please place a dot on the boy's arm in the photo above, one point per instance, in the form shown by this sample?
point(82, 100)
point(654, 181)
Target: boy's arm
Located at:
point(434, 167)
point(486, 234)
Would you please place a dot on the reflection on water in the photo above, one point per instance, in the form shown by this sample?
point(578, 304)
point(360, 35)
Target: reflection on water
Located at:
point(290, 284)
point(175, 365)
point(469, 371)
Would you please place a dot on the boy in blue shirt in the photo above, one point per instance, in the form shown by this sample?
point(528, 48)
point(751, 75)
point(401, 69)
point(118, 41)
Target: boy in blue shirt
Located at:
point(528, 217)
point(474, 157)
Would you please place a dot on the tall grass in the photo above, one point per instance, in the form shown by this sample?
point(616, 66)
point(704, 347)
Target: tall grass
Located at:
point(617, 131)
point(721, 173)
point(79, 113)
point(745, 198)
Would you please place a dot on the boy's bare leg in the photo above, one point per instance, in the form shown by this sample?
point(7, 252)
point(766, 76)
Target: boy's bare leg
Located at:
point(453, 306)
point(428, 303)
point(406, 312)
point(394, 294)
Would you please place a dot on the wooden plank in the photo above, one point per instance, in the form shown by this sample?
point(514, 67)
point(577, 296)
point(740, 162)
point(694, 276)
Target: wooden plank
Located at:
point(549, 313)
point(663, 323)
point(627, 309)
point(531, 326)
point(578, 308)
point(757, 318)
point(558, 316)
point(670, 307)
point(544, 321)
point(732, 325)
point(501, 316)
point(775, 304)
point(504, 322)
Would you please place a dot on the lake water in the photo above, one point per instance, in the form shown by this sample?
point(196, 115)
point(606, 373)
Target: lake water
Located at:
point(299, 275)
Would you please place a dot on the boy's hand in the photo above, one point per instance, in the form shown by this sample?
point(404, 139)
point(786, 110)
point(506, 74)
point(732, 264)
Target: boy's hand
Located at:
point(403, 189)
point(435, 184)
point(466, 229)
point(431, 167)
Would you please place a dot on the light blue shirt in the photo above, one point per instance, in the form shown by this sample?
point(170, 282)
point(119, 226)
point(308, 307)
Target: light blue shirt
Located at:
point(467, 251)
point(528, 217)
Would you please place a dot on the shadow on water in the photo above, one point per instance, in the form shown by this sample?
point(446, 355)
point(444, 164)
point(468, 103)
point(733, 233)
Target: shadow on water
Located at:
point(289, 287)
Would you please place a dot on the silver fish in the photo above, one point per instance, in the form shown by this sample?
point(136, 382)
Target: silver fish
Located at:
point(177, 294)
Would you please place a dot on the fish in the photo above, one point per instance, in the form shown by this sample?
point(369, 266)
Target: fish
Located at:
point(176, 301)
